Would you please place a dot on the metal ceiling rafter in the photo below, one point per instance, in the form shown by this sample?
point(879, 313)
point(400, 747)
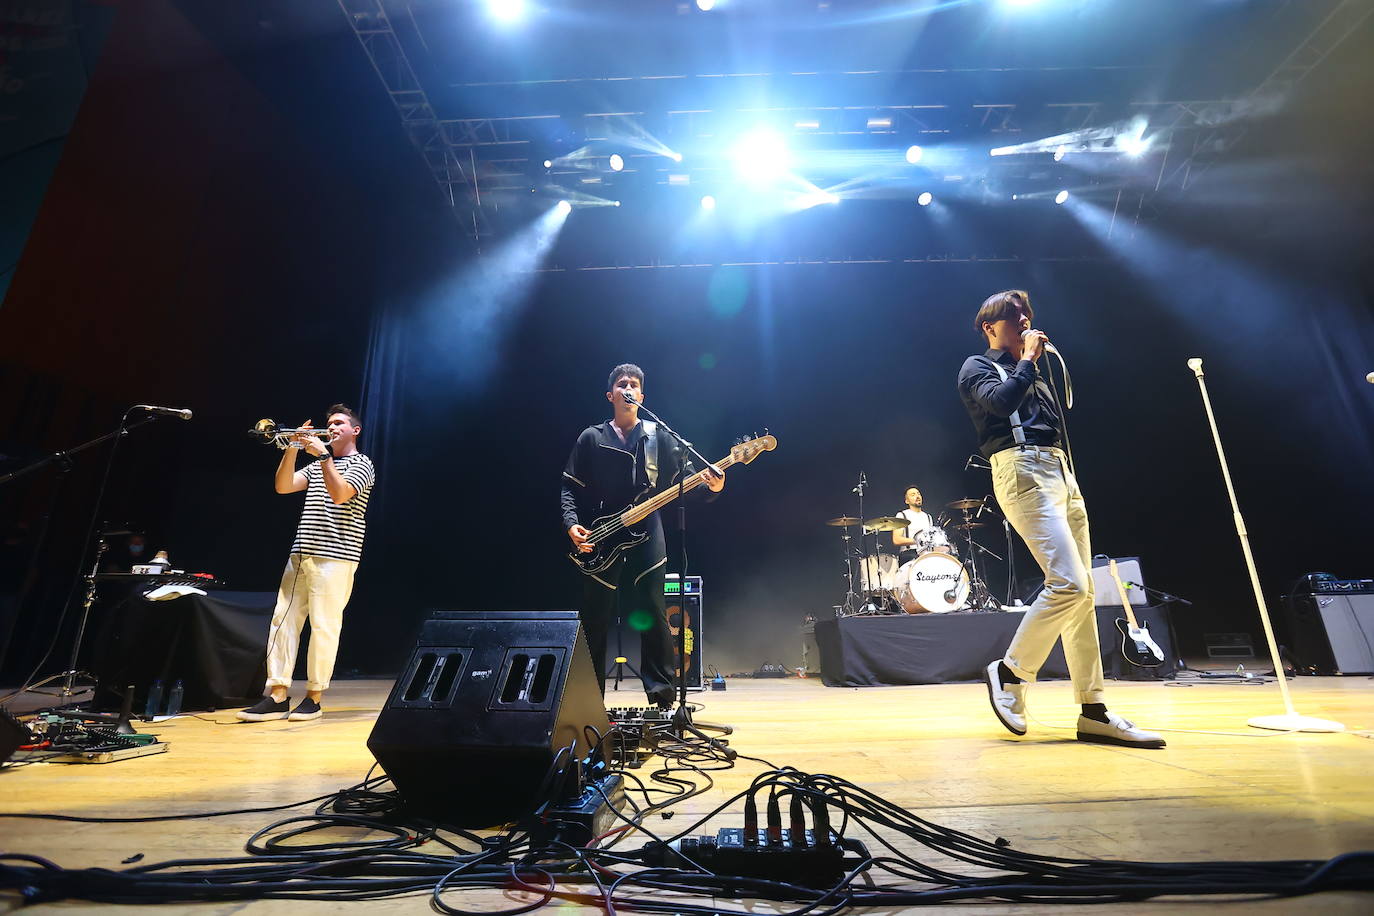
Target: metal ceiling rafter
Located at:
point(450, 164)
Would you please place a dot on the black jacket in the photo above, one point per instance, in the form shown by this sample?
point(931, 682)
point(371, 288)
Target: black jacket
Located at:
point(605, 475)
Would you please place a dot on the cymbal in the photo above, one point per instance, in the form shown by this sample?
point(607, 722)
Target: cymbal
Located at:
point(886, 523)
point(964, 504)
point(844, 521)
point(964, 526)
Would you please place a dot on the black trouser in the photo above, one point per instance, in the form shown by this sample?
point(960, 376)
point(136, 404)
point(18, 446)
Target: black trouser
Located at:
point(638, 601)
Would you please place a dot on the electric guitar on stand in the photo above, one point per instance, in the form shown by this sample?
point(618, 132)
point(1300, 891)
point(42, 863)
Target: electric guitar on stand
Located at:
point(613, 534)
point(1137, 646)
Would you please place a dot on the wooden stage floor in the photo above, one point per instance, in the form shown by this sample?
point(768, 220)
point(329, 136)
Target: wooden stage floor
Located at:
point(1219, 791)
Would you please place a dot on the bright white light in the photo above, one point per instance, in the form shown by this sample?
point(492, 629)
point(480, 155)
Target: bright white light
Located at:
point(617, 203)
point(1002, 151)
point(914, 154)
point(813, 198)
point(548, 163)
point(1019, 3)
point(761, 156)
point(676, 157)
point(1133, 146)
point(706, 5)
point(617, 162)
point(708, 202)
point(506, 10)
point(1061, 197)
point(925, 198)
point(564, 207)
point(1059, 154)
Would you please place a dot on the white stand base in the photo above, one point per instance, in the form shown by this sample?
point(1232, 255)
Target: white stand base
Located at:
point(1292, 722)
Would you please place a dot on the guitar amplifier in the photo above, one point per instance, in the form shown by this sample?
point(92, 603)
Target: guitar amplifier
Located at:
point(1105, 593)
point(1331, 633)
point(687, 599)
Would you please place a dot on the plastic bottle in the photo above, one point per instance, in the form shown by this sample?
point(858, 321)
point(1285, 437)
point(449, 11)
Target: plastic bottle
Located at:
point(154, 706)
point(174, 700)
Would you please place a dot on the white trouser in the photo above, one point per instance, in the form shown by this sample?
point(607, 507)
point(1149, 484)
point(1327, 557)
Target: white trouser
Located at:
point(1041, 499)
point(318, 588)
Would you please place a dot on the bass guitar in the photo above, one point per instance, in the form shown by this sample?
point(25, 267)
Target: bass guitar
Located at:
point(613, 534)
point(1137, 646)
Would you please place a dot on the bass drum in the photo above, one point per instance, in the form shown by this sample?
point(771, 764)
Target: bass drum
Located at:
point(934, 583)
point(878, 574)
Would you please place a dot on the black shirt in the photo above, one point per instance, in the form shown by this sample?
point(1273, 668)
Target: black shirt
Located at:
point(990, 401)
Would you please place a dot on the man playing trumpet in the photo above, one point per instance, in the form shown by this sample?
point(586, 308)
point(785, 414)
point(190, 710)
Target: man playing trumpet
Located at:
point(324, 557)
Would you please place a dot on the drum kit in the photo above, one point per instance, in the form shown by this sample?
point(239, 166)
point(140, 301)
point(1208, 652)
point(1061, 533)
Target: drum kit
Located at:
point(936, 577)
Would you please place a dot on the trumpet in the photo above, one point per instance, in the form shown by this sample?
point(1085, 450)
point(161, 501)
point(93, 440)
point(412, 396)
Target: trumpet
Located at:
point(267, 432)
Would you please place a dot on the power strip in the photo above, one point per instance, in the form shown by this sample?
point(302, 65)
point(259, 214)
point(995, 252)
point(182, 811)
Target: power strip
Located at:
point(732, 851)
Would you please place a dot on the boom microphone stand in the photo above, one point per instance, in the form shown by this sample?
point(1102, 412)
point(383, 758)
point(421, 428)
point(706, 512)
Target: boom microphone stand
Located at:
point(682, 718)
point(1290, 720)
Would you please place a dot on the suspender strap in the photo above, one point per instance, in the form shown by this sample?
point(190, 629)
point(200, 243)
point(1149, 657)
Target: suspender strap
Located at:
point(651, 451)
point(1017, 434)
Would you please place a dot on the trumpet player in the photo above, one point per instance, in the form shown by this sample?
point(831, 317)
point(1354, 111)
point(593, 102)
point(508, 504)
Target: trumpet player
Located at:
point(318, 579)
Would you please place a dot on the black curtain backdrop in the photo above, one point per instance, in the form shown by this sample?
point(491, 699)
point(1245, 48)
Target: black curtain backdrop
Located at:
point(237, 224)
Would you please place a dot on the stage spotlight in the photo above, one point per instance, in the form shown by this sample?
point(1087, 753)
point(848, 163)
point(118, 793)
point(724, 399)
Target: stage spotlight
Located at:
point(548, 163)
point(761, 156)
point(506, 10)
point(706, 5)
point(676, 157)
point(564, 207)
point(925, 198)
point(914, 154)
point(708, 202)
point(1133, 146)
point(617, 162)
point(1061, 197)
point(1059, 154)
point(617, 203)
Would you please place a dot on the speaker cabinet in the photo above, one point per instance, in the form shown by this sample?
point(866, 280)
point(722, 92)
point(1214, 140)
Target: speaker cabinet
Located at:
point(482, 711)
point(1332, 634)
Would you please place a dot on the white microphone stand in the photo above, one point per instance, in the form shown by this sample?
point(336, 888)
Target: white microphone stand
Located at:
point(1290, 721)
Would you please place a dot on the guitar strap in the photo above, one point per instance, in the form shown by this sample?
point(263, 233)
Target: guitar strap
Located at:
point(1017, 434)
point(651, 452)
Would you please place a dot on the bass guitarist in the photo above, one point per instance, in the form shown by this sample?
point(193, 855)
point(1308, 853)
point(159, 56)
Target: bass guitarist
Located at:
point(614, 464)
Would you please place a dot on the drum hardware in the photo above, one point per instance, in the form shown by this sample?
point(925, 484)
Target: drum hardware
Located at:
point(933, 583)
point(964, 504)
point(979, 596)
point(844, 521)
point(965, 526)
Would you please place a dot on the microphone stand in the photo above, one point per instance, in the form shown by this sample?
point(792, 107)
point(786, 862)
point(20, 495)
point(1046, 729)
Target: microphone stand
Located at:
point(63, 461)
point(682, 717)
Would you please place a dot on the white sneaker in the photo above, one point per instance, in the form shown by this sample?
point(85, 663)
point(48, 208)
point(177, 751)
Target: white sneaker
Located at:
point(1008, 700)
point(1116, 730)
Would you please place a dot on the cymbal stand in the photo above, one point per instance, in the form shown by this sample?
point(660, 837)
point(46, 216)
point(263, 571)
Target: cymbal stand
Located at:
point(980, 597)
point(851, 597)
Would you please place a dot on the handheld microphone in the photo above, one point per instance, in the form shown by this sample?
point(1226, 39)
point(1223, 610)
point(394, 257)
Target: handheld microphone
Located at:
point(1196, 365)
point(183, 413)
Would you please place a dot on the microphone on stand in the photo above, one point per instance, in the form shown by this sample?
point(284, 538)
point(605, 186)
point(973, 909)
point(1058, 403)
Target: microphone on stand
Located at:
point(863, 482)
point(629, 398)
point(183, 413)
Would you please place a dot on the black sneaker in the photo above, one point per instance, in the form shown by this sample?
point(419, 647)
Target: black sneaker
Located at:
point(308, 709)
point(265, 710)
point(663, 697)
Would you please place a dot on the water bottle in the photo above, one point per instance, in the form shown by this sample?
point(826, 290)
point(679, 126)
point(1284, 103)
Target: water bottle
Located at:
point(174, 700)
point(154, 706)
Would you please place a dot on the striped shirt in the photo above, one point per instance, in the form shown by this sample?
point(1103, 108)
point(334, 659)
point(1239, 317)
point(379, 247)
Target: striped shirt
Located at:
point(326, 528)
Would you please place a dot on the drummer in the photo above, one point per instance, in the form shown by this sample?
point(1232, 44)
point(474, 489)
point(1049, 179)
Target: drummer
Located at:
point(905, 541)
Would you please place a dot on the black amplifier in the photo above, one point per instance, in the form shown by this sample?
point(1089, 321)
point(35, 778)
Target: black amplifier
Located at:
point(1341, 586)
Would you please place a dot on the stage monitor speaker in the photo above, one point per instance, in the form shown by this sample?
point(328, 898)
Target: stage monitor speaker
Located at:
point(482, 712)
point(1332, 634)
point(12, 734)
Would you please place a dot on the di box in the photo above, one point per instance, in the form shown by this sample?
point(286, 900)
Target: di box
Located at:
point(483, 710)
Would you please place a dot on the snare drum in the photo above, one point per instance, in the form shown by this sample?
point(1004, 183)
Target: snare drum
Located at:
point(878, 573)
point(934, 539)
point(933, 583)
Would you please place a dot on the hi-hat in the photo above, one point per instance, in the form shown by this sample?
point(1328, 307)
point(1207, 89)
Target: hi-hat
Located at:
point(844, 521)
point(886, 523)
point(965, 504)
point(964, 526)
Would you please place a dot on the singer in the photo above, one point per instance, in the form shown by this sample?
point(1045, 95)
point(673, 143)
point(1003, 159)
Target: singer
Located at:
point(319, 572)
point(1018, 428)
point(612, 464)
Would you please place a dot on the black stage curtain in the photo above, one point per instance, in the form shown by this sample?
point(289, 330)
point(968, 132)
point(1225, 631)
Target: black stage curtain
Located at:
point(215, 645)
point(940, 648)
